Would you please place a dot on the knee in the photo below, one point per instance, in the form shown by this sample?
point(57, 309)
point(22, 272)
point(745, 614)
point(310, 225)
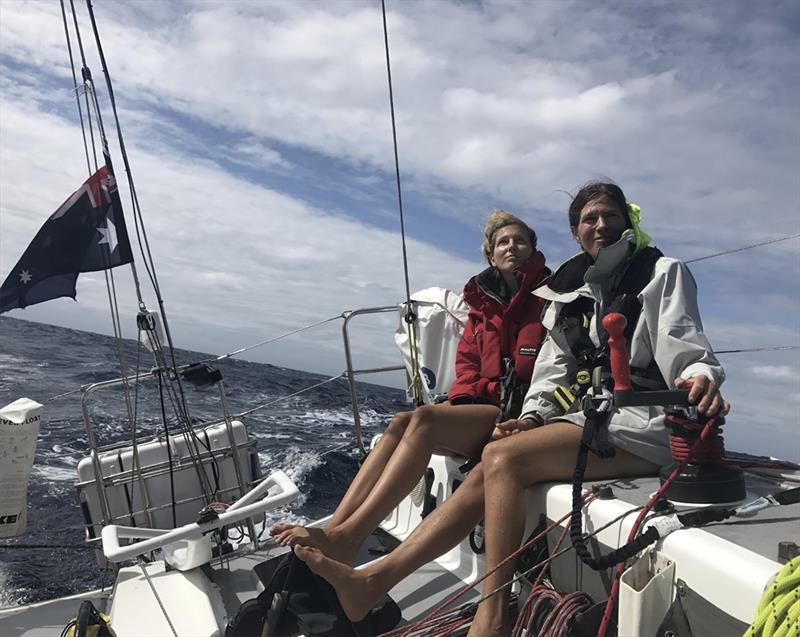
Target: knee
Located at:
point(422, 420)
point(499, 460)
point(398, 424)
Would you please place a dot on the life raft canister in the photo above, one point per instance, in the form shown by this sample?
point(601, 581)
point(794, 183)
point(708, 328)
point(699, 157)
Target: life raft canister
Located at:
point(19, 429)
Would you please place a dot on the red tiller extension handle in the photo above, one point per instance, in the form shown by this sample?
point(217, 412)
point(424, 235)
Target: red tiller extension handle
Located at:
point(615, 323)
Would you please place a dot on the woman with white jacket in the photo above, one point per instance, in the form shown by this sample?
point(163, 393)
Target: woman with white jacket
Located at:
point(667, 346)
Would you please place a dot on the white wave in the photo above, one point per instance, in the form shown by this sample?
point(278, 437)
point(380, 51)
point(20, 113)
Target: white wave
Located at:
point(64, 449)
point(8, 597)
point(10, 359)
point(295, 462)
point(270, 436)
point(286, 516)
point(53, 473)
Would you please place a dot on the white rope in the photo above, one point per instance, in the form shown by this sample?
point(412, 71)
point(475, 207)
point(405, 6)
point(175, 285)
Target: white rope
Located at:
point(158, 599)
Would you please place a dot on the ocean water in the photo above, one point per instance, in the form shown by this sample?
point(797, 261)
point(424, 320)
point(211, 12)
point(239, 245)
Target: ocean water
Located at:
point(309, 436)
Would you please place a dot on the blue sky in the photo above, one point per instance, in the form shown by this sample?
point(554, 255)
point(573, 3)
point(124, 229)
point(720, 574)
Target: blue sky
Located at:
point(260, 141)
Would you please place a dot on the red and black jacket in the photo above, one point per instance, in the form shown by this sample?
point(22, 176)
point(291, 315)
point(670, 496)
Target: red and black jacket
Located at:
point(499, 327)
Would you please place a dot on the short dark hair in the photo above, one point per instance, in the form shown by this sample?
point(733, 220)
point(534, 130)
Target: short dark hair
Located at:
point(594, 190)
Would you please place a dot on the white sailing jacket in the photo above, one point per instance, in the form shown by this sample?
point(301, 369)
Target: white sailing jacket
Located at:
point(669, 331)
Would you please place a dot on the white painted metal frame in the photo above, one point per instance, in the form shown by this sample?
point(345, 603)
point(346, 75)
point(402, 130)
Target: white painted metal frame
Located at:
point(153, 539)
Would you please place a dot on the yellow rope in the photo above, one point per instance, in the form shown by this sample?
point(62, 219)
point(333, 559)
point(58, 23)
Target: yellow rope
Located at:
point(778, 614)
point(416, 387)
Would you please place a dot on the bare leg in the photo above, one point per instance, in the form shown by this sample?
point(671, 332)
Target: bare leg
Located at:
point(359, 590)
point(462, 429)
point(511, 465)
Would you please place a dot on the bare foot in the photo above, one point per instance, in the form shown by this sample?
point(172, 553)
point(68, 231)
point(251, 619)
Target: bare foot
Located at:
point(352, 587)
point(334, 545)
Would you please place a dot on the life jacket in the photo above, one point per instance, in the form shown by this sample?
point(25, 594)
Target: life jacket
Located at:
point(503, 334)
point(575, 319)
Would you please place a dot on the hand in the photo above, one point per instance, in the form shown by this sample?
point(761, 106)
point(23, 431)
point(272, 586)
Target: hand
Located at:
point(513, 426)
point(704, 394)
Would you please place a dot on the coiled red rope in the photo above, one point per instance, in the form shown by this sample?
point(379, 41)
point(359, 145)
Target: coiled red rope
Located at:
point(432, 623)
point(565, 606)
point(687, 445)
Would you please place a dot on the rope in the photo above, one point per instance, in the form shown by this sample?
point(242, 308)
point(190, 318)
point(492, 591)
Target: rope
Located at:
point(158, 599)
point(464, 608)
point(601, 631)
point(753, 245)
point(539, 593)
point(436, 612)
point(778, 613)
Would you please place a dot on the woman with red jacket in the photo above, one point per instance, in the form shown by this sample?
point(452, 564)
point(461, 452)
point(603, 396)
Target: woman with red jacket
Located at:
point(494, 363)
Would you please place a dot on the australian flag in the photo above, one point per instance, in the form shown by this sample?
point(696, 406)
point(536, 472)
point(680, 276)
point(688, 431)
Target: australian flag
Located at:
point(86, 233)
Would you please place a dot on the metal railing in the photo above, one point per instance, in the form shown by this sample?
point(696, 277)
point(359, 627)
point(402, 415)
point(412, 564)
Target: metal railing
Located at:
point(141, 474)
point(351, 373)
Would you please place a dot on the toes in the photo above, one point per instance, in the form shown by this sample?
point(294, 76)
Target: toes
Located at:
point(304, 552)
point(277, 529)
point(281, 538)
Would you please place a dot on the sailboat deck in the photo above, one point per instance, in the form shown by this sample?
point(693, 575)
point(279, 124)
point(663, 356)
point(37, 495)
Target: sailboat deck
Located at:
point(760, 534)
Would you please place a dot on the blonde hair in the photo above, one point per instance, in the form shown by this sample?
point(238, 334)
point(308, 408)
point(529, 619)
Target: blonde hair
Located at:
point(500, 219)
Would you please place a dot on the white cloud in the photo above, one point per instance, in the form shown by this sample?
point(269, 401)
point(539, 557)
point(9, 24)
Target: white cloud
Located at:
point(689, 107)
point(778, 372)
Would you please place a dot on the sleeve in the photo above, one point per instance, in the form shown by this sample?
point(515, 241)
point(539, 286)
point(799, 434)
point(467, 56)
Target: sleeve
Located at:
point(555, 366)
point(469, 384)
point(669, 303)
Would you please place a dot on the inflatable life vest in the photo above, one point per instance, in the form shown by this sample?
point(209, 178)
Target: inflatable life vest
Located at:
point(441, 317)
point(19, 428)
point(575, 318)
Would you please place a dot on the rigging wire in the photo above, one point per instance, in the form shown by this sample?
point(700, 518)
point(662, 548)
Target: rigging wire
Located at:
point(292, 395)
point(271, 340)
point(396, 155)
point(410, 318)
point(757, 349)
point(75, 87)
point(142, 237)
point(742, 249)
point(86, 75)
point(91, 101)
